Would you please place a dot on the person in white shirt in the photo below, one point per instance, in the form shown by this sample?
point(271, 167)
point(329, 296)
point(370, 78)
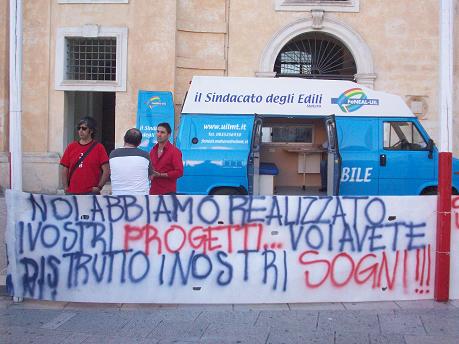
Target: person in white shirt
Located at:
point(130, 166)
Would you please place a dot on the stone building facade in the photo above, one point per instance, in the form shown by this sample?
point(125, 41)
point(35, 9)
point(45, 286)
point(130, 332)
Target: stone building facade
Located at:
point(393, 46)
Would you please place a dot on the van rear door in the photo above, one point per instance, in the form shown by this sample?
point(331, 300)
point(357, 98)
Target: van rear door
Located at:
point(358, 147)
point(333, 158)
point(405, 164)
point(215, 151)
point(253, 164)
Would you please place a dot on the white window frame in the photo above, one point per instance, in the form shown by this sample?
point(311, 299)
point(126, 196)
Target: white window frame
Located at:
point(92, 1)
point(324, 5)
point(94, 31)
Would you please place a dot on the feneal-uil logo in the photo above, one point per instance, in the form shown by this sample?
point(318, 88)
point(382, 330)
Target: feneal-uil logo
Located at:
point(353, 99)
point(155, 101)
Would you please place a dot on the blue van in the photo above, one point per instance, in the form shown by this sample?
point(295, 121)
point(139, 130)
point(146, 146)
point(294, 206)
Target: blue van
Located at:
point(291, 136)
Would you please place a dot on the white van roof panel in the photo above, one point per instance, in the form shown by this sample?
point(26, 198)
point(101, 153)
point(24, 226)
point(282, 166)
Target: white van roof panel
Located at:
point(289, 96)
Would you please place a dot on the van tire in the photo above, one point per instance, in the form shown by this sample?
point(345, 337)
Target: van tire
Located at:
point(432, 190)
point(227, 191)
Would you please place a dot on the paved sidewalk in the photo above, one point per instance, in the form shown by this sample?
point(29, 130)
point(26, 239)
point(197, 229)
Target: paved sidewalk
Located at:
point(410, 322)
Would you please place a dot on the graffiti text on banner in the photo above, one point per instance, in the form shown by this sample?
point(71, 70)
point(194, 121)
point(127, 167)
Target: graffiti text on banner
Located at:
point(201, 248)
point(455, 212)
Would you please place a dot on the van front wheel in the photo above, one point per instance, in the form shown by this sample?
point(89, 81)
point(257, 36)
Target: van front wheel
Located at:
point(433, 191)
point(429, 191)
point(227, 191)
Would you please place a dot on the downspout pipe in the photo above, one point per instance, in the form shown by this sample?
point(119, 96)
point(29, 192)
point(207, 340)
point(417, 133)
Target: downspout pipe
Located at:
point(15, 74)
point(443, 237)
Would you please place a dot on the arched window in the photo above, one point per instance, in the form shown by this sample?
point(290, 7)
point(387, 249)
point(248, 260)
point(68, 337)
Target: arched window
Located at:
point(315, 55)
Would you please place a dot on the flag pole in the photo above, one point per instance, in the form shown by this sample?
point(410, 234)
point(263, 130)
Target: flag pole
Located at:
point(443, 237)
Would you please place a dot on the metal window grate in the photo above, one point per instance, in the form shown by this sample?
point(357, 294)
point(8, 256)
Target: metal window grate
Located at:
point(315, 56)
point(91, 58)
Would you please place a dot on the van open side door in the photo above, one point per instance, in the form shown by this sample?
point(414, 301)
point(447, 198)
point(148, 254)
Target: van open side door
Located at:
point(253, 164)
point(333, 158)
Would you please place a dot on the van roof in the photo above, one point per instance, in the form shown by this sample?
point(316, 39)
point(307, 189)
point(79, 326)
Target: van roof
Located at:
point(289, 97)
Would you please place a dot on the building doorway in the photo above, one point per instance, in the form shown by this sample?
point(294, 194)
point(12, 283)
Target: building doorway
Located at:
point(100, 106)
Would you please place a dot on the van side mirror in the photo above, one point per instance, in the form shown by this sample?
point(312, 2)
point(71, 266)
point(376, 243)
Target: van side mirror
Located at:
point(430, 147)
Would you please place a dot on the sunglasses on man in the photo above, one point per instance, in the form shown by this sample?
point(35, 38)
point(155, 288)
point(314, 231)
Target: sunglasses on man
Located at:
point(82, 128)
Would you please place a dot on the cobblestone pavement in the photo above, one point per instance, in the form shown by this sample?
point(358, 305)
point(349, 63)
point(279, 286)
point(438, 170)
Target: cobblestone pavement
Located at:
point(410, 322)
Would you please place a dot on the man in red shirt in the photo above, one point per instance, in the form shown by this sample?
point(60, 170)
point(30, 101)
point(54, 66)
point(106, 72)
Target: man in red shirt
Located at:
point(91, 174)
point(167, 163)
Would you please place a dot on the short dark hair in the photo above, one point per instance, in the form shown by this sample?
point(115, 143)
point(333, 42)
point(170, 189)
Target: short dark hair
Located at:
point(166, 126)
point(133, 136)
point(90, 123)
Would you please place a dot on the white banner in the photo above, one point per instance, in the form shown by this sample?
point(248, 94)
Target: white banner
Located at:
point(220, 249)
point(289, 96)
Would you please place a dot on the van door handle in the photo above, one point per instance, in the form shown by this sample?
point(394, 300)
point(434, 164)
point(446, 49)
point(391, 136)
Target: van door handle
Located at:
point(382, 160)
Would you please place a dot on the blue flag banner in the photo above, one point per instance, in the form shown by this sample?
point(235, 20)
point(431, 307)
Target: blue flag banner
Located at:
point(153, 107)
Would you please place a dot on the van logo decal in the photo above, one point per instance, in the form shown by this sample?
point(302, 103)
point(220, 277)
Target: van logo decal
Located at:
point(353, 99)
point(155, 101)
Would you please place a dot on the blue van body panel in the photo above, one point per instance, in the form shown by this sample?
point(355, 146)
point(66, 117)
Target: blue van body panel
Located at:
point(359, 155)
point(361, 147)
point(215, 150)
point(434, 183)
point(199, 185)
point(407, 172)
